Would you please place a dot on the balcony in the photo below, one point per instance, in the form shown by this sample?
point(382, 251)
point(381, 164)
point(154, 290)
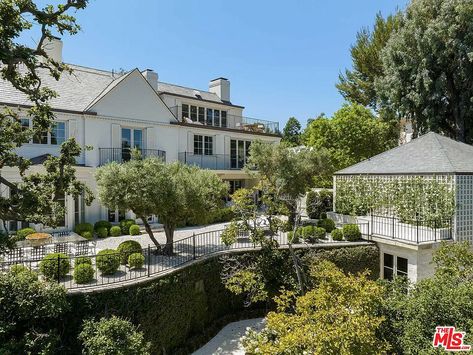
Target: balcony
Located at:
point(211, 162)
point(247, 124)
point(121, 155)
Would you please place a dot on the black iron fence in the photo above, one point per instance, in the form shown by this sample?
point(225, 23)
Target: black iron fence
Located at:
point(414, 231)
point(120, 155)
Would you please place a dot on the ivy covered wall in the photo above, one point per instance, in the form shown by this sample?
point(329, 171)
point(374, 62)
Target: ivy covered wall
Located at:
point(428, 198)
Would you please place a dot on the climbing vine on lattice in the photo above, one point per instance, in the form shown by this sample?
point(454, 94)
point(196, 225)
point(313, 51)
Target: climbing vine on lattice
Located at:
point(406, 197)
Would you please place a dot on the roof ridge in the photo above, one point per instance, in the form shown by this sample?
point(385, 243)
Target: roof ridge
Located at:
point(444, 152)
point(185, 87)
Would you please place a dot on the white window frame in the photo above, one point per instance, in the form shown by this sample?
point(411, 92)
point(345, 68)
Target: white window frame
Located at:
point(48, 137)
point(395, 270)
point(206, 114)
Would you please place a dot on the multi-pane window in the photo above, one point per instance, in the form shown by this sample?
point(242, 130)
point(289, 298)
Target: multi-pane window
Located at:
point(79, 209)
point(203, 145)
point(394, 266)
point(201, 115)
point(401, 266)
point(185, 111)
point(194, 113)
point(239, 151)
point(234, 185)
point(131, 138)
point(58, 133)
point(56, 136)
point(388, 266)
point(207, 116)
point(25, 123)
point(115, 216)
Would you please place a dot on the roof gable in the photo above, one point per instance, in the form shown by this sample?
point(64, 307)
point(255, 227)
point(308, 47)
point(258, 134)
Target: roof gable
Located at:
point(131, 96)
point(431, 153)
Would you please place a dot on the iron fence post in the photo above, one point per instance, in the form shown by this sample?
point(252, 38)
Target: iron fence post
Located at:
point(393, 226)
point(435, 229)
point(58, 267)
point(193, 245)
point(417, 230)
point(149, 260)
point(372, 225)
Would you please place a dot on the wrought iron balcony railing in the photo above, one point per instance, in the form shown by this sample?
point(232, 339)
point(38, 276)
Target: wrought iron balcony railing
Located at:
point(229, 121)
point(120, 155)
point(212, 162)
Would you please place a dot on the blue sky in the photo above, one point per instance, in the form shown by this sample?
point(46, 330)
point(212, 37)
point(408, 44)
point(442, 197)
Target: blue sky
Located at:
point(282, 57)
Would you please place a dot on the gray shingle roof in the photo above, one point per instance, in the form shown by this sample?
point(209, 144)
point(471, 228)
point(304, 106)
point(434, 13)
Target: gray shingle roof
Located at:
point(79, 90)
point(430, 153)
point(75, 91)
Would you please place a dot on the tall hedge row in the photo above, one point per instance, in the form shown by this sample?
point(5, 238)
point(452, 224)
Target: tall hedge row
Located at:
point(181, 312)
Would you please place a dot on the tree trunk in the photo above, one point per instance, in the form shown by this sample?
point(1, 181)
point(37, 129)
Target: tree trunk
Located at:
point(169, 247)
point(150, 232)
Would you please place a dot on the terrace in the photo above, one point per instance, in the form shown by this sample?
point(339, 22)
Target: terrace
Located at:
point(224, 120)
point(120, 155)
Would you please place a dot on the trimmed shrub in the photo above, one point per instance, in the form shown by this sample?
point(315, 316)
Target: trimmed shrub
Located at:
point(320, 233)
point(323, 215)
point(337, 234)
point(18, 268)
point(127, 248)
point(115, 231)
point(136, 260)
point(308, 233)
point(229, 235)
point(126, 224)
point(327, 224)
point(23, 233)
point(102, 224)
point(112, 336)
point(294, 238)
point(50, 268)
point(83, 227)
point(83, 273)
point(224, 214)
point(351, 232)
point(87, 235)
point(108, 261)
point(135, 229)
point(83, 260)
point(102, 232)
point(318, 202)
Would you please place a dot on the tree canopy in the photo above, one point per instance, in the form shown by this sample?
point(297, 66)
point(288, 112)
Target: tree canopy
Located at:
point(428, 66)
point(358, 85)
point(172, 192)
point(353, 134)
point(292, 132)
point(37, 197)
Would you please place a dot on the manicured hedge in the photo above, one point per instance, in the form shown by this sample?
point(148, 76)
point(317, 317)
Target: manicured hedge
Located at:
point(80, 228)
point(55, 263)
point(136, 260)
point(102, 224)
point(115, 231)
point(83, 273)
point(127, 248)
point(102, 232)
point(24, 232)
point(108, 261)
point(181, 312)
point(126, 224)
point(135, 229)
point(337, 234)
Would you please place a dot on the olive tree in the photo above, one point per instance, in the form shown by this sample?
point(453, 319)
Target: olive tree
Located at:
point(172, 192)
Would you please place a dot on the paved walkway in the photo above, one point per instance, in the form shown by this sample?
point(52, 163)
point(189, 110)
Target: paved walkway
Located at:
point(144, 239)
point(227, 341)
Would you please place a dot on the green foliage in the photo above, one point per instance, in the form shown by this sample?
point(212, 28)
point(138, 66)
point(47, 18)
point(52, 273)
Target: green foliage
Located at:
point(102, 224)
point(108, 261)
point(427, 68)
point(136, 260)
point(327, 223)
point(353, 134)
point(17, 268)
point(87, 235)
point(102, 232)
point(24, 232)
point(308, 233)
point(224, 214)
point(30, 314)
point(247, 282)
point(230, 234)
point(115, 231)
point(126, 224)
point(408, 197)
point(351, 232)
point(315, 324)
point(80, 228)
point(318, 202)
point(337, 234)
point(127, 248)
point(83, 273)
point(358, 85)
point(175, 192)
point(55, 265)
point(83, 260)
point(320, 232)
point(294, 237)
point(135, 229)
point(292, 132)
point(112, 336)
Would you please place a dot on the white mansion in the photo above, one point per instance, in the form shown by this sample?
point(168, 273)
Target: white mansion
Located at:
point(115, 112)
